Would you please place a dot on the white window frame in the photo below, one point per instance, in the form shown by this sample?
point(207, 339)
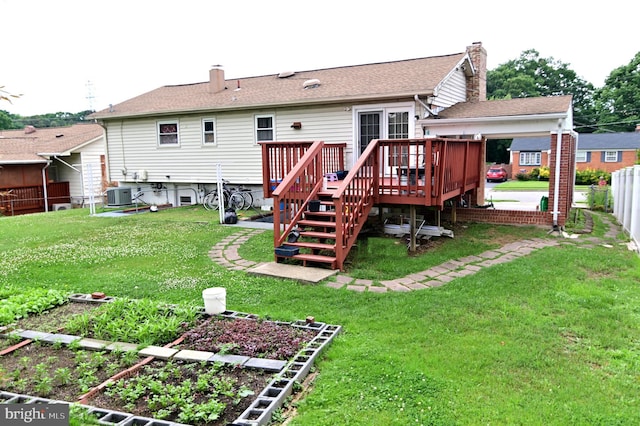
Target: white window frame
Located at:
point(611, 156)
point(211, 132)
point(530, 158)
point(159, 125)
point(385, 110)
point(257, 129)
point(581, 156)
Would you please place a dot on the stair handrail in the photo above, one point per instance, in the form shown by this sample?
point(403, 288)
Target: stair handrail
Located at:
point(354, 198)
point(298, 187)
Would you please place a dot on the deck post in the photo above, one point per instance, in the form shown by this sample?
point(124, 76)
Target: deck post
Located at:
point(412, 228)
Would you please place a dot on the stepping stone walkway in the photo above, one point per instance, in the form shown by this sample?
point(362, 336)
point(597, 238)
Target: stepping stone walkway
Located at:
point(225, 253)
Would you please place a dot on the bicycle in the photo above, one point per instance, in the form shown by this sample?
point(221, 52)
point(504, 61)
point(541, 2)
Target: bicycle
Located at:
point(232, 199)
point(246, 194)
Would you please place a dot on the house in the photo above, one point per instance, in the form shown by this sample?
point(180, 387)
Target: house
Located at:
point(175, 141)
point(173, 144)
point(51, 168)
point(595, 151)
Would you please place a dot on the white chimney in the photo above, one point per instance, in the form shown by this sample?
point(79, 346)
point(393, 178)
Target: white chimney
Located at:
point(216, 79)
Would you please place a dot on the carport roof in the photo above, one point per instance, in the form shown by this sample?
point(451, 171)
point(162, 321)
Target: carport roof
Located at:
point(34, 145)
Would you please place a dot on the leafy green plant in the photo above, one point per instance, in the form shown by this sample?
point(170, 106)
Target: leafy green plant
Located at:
point(141, 321)
point(62, 375)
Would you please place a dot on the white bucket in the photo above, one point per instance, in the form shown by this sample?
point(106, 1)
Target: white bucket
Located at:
point(215, 300)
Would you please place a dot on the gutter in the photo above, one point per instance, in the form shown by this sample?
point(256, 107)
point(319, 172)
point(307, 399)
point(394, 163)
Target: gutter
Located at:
point(44, 186)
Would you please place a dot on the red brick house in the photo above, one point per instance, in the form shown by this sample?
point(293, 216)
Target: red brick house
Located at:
point(595, 151)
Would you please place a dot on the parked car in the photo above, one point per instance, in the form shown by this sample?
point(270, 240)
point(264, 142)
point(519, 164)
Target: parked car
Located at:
point(496, 174)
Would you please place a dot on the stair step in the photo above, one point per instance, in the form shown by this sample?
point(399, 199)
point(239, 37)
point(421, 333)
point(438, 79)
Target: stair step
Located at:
point(327, 213)
point(316, 234)
point(317, 223)
point(313, 245)
point(318, 258)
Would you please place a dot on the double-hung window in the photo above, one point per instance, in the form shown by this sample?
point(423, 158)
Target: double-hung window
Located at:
point(264, 128)
point(530, 158)
point(581, 157)
point(611, 156)
point(208, 131)
point(168, 133)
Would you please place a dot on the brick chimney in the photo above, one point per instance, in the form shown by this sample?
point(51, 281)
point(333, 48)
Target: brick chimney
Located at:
point(216, 79)
point(637, 127)
point(477, 83)
point(29, 129)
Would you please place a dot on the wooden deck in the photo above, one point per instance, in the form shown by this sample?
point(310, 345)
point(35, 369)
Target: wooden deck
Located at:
point(31, 199)
point(419, 172)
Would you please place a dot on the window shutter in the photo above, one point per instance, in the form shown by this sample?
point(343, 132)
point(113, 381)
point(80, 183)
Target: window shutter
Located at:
point(619, 156)
point(588, 156)
point(602, 155)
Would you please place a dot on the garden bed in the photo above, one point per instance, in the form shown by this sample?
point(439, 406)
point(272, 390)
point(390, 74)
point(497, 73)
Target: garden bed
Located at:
point(253, 367)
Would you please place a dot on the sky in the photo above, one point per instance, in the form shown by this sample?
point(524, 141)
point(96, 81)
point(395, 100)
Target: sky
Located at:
point(74, 55)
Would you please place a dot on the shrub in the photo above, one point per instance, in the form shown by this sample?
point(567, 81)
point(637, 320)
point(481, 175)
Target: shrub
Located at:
point(591, 176)
point(543, 173)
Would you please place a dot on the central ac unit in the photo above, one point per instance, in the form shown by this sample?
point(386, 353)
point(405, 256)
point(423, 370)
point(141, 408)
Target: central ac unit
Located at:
point(118, 196)
point(62, 206)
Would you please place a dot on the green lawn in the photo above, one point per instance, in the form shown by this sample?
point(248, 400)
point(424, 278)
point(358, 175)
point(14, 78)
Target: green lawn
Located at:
point(529, 185)
point(551, 338)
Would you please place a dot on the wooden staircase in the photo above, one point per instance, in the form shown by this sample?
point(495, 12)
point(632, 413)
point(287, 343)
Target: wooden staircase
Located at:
point(409, 172)
point(317, 234)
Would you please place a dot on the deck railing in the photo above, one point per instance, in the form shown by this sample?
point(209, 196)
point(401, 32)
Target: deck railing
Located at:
point(30, 199)
point(425, 172)
point(353, 200)
point(279, 158)
point(292, 195)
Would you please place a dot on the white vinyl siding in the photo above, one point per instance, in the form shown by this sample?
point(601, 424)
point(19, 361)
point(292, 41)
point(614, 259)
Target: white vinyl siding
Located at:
point(133, 145)
point(451, 91)
point(530, 158)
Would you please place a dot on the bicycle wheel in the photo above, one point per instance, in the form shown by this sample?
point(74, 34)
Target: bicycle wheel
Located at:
point(211, 201)
point(248, 198)
point(236, 201)
point(206, 201)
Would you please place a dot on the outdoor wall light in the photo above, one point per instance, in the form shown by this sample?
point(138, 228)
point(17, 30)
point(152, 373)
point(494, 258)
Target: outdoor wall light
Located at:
point(296, 125)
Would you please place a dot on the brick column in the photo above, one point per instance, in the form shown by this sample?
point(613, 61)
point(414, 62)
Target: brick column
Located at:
point(567, 175)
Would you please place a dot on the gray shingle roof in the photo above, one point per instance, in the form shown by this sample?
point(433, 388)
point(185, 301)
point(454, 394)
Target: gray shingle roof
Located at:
point(19, 146)
point(586, 142)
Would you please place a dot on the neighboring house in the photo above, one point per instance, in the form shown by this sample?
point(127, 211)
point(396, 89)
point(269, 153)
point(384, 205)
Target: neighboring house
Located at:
point(595, 151)
point(173, 142)
point(66, 161)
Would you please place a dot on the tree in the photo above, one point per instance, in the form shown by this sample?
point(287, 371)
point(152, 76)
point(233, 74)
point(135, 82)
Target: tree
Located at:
point(618, 101)
point(530, 75)
point(5, 120)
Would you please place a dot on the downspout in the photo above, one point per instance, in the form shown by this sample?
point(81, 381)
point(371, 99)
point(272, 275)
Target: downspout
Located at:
point(44, 186)
point(556, 187)
point(425, 106)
